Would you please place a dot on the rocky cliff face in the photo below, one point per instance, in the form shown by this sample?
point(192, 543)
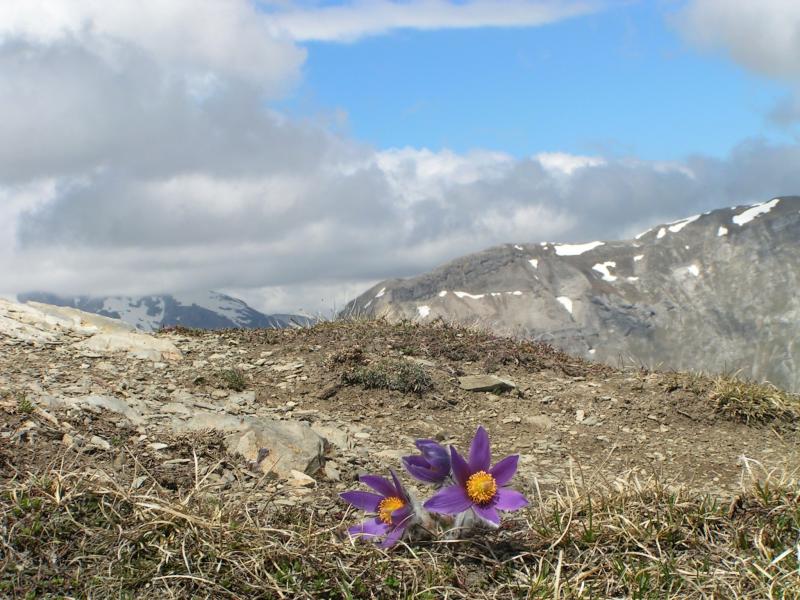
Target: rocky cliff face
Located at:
point(715, 292)
point(208, 310)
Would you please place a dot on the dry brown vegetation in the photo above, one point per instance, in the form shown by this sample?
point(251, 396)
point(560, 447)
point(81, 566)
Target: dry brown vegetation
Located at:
point(124, 522)
point(66, 535)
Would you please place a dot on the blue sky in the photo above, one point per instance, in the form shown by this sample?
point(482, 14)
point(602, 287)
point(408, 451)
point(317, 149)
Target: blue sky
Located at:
point(619, 82)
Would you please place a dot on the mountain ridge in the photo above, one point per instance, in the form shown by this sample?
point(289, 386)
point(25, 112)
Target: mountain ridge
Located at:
point(712, 292)
point(205, 310)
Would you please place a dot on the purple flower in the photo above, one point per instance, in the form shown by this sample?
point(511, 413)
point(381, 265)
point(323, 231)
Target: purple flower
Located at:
point(392, 507)
point(433, 466)
point(478, 486)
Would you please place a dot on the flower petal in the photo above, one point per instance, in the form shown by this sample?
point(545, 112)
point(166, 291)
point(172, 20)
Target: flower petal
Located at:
point(487, 513)
point(461, 470)
point(423, 445)
point(370, 528)
point(416, 460)
point(434, 453)
point(422, 473)
point(505, 469)
point(401, 516)
point(379, 484)
point(450, 501)
point(364, 500)
point(400, 491)
point(508, 499)
point(480, 453)
point(393, 537)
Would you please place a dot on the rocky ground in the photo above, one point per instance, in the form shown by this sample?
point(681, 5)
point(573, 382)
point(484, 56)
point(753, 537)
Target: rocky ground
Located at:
point(287, 419)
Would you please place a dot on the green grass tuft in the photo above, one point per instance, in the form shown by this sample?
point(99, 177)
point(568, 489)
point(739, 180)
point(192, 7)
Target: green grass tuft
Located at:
point(399, 375)
point(233, 379)
point(24, 406)
point(750, 402)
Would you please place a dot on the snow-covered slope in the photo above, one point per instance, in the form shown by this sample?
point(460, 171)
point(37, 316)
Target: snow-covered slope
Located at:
point(714, 292)
point(208, 310)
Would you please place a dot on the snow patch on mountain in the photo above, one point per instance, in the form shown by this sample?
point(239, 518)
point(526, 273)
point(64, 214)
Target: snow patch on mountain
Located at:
point(756, 210)
point(576, 249)
point(468, 295)
point(676, 226)
point(602, 268)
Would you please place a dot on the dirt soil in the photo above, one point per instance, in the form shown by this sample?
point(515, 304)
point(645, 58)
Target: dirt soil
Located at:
point(567, 418)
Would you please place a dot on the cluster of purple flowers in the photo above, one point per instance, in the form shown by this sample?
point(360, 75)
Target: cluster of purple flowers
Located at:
point(471, 489)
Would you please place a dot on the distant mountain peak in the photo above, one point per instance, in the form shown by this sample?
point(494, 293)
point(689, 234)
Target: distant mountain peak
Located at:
point(202, 310)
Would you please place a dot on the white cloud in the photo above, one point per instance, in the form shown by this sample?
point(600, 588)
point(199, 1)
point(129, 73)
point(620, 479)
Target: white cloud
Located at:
point(421, 174)
point(761, 35)
point(360, 18)
point(566, 164)
point(196, 37)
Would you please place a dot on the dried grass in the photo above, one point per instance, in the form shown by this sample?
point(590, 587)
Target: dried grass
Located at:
point(67, 534)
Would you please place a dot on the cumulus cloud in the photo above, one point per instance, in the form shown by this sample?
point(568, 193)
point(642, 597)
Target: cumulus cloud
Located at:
point(762, 36)
point(198, 38)
point(130, 164)
point(356, 19)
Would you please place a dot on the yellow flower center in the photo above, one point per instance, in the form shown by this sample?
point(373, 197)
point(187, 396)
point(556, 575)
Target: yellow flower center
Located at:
point(387, 506)
point(481, 487)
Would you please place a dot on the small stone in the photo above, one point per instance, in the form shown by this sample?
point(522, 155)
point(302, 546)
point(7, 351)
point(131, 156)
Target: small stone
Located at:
point(176, 408)
point(542, 422)
point(420, 361)
point(158, 446)
point(329, 391)
point(299, 479)
point(580, 415)
point(99, 442)
point(485, 383)
point(287, 367)
point(362, 435)
point(331, 472)
point(176, 461)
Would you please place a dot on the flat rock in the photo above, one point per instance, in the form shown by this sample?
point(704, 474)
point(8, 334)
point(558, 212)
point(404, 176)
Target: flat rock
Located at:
point(337, 436)
point(272, 446)
point(298, 479)
point(96, 401)
point(485, 383)
point(43, 323)
point(135, 345)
